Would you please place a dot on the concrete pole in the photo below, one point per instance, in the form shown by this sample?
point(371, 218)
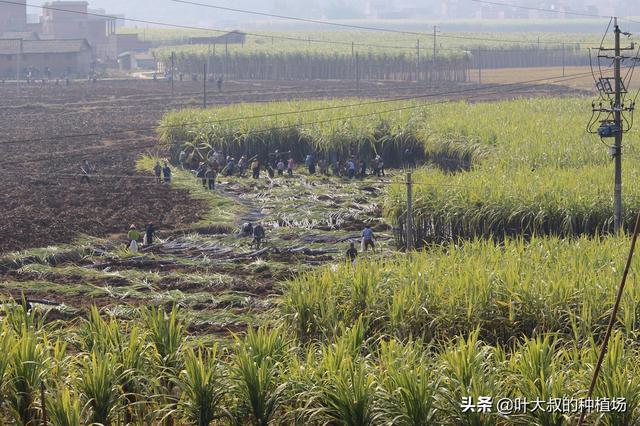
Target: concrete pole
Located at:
point(618, 139)
point(410, 234)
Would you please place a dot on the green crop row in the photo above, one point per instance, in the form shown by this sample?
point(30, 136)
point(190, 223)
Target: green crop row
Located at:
point(374, 42)
point(401, 341)
point(300, 127)
point(529, 165)
point(499, 203)
point(514, 289)
point(530, 169)
point(532, 132)
point(520, 133)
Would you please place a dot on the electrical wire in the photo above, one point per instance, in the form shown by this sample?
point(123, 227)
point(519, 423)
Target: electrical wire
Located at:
point(287, 38)
point(540, 9)
point(606, 32)
point(382, 101)
point(49, 157)
point(214, 95)
point(219, 31)
point(358, 27)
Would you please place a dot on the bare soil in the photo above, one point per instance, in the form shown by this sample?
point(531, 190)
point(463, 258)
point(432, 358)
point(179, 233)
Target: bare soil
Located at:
point(43, 202)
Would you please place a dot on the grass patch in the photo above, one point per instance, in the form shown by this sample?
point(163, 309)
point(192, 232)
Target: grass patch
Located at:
point(221, 211)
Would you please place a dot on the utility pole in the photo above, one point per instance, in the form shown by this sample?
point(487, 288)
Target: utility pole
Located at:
point(357, 73)
point(435, 35)
point(613, 126)
point(204, 93)
point(418, 60)
point(353, 60)
point(618, 139)
point(409, 245)
point(563, 59)
point(18, 63)
point(479, 66)
point(173, 71)
point(433, 57)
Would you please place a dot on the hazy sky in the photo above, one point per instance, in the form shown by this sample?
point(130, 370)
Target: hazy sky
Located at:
point(168, 11)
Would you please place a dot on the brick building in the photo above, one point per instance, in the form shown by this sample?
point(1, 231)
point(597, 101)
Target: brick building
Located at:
point(71, 57)
point(74, 19)
point(69, 19)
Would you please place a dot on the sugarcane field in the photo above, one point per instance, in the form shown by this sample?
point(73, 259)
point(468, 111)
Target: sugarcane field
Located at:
point(351, 213)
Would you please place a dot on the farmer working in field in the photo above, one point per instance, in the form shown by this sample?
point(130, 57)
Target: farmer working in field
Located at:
point(149, 233)
point(380, 166)
point(166, 171)
point(214, 165)
point(363, 169)
point(255, 169)
point(324, 167)
point(133, 236)
point(376, 166)
point(336, 168)
point(351, 168)
point(210, 175)
point(86, 170)
point(242, 166)
point(367, 239)
point(352, 253)
point(246, 230)
point(258, 235)
point(310, 162)
point(157, 170)
point(290, 166)
point(200, 171)
point(230, 168)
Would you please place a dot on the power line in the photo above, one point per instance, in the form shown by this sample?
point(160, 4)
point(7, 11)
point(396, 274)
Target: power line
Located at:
point(540, 9)
point(281, 37)
point(191, 27)
point(147, 179)
point(352, 26)
point(48, 157)
point(292, 18)
point(98, 134)
point(265, 92)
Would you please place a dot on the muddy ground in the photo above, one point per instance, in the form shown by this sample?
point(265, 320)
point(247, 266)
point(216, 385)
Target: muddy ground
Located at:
point(222, 282)
point(42, 201)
